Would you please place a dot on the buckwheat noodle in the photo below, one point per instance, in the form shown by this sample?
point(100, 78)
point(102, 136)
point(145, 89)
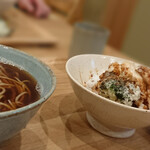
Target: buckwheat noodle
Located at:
point(18, 90)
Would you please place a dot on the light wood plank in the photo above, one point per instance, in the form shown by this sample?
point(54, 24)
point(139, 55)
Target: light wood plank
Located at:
point(25, 31)
point(117, 18)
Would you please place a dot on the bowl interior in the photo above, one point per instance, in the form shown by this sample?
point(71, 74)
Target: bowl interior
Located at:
point(37, 69)
point(80, 67)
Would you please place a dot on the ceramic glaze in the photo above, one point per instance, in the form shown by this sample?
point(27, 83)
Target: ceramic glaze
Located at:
point(106, 116)
point(11, 122)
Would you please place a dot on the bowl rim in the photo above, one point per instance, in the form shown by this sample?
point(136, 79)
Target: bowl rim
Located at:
point(42, 99)
point(94, 94)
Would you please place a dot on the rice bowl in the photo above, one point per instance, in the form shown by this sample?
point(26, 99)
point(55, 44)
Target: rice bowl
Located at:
point(106, 116)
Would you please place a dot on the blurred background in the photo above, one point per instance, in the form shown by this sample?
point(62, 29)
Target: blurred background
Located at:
point(126, 20)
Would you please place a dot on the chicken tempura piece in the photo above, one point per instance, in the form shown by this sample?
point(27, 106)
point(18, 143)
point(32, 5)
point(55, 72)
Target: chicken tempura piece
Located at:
point(145, 73)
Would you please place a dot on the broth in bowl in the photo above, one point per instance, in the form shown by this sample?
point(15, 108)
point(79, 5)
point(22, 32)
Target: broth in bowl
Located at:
point(17, 88)
point(32, 84)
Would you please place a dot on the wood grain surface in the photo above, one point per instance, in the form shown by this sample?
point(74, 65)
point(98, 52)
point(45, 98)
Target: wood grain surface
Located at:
point(61, 124)
point(117, 19)
point(25, 30)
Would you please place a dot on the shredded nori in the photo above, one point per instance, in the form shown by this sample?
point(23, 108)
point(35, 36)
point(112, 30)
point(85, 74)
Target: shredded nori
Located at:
point(118, 87)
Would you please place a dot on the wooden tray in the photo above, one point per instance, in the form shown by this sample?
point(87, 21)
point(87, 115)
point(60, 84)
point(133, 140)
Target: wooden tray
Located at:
point(25, 31)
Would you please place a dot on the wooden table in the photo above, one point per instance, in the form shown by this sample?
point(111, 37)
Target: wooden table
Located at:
point(61, 123)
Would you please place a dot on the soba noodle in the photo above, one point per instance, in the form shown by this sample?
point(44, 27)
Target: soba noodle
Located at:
point(14, 92)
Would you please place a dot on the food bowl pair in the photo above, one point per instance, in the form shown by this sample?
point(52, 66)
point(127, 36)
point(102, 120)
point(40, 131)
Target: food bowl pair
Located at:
point(106, 116)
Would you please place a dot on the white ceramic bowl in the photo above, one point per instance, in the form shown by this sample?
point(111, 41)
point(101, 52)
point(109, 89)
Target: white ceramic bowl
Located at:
point(6, 4)
point(106, 116)
point(11, 122)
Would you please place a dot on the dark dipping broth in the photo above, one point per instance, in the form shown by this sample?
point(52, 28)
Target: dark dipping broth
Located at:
point(17, 88)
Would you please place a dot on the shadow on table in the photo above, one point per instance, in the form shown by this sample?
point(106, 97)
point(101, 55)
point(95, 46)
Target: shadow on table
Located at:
point(28, 140)
point(139, 141)
point(13, 143)
point(70, 129)
point(82, 130)
point(53, 125)
point(78, 125)
point(69, 124)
